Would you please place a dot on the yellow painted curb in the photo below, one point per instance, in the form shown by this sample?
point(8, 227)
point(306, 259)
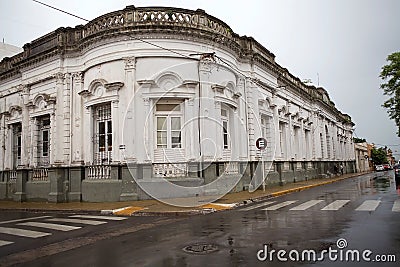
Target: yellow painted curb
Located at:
point(297, 189)
point(127, 211)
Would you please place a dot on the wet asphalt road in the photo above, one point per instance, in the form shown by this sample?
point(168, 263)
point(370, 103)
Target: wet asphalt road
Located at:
point(357, 211)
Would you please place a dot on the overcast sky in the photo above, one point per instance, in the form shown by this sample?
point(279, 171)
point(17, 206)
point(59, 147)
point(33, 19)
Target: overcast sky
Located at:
point(343, 42)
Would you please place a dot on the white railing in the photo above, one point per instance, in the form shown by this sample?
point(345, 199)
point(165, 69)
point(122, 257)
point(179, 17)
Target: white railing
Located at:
point(97, 172)
point(170, 169)
point(40, 174)
point(156, 16)
point(231, 168)
point(13, 176)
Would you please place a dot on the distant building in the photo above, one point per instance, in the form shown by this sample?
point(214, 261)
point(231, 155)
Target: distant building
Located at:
point(79, 104)
point(7, 50)
point(362, 157)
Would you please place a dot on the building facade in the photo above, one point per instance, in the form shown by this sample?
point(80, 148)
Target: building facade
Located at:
point(158, 93)
point(362, 157)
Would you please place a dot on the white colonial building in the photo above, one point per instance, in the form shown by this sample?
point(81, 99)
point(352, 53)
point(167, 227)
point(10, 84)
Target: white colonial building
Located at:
point(153, 94)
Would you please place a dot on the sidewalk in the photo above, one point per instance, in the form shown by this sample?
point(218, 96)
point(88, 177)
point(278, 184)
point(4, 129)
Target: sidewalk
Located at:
point(154, 207)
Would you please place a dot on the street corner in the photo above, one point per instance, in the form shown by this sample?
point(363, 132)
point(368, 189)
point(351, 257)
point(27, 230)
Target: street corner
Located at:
point(125, 211)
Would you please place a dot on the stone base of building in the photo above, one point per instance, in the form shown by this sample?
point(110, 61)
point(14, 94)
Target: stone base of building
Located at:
point(110, 183)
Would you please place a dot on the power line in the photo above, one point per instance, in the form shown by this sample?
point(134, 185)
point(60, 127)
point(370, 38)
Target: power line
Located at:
point(158, 46)
point(136, 38)
point(60, 10)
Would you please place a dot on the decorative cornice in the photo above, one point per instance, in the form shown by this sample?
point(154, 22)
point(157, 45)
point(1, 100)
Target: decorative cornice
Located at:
point(115, 86)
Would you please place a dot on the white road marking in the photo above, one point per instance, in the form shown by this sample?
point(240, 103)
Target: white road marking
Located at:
point(25, 219)
point(396, 206)
point(335, 205)
point(89, 222)
point(3, 243)
point(280, 205)
point(307, 205)
point(111, 218)
point(369, 205)
point(22, 232)
point(266, 203)
point(53, 226)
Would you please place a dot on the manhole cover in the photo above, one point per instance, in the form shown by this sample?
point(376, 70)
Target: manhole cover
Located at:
point(200, 248)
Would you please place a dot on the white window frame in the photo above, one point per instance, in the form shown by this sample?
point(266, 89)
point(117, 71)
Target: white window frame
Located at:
point(225, 127)
point(282, 138)
point(169, 110)
point(102, 133)
point(16, 144)
point(44, 130)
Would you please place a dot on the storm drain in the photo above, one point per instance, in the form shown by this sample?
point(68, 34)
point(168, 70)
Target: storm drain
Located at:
point(201, 248)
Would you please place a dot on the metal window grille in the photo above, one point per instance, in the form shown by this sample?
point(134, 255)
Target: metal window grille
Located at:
point(102, 139)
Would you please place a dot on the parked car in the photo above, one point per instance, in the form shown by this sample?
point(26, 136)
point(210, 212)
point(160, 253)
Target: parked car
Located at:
point(387, 167)
point(379, 168)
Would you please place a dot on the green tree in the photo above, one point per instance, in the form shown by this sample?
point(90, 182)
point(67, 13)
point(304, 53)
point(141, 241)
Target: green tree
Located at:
point(390, 73)
point(359, 140)
point(378, 156)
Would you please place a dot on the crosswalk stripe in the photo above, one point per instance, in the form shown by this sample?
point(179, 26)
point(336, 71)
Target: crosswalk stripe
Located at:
point(22, 232)
point(3, 243)
point(335, 205)
point(306, 205)
point(111, 218)
point(52, 226)
point(89, 222)
point(24, 219)
point(396, 206)
point(369, 205)
point(266, 203)
point(280, 205)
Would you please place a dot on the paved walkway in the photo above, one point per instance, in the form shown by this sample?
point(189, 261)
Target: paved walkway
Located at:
point(153, 207)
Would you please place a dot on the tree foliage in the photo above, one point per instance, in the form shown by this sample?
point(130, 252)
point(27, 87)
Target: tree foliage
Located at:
point(390, 73)
point(359, 140)
point(378, 156)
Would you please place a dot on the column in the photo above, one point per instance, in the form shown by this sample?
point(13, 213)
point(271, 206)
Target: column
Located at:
point(129, 120)
point(76, 119)
point(277, 138)
point(88, 136)
point(242, 109)
point(53, 142)
point(302, 142)
point(116, 132)
point(2, 140)
point(34, 137)
point(66, 141)
point(251, 118)
point(26, 142)
point(57, 139)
